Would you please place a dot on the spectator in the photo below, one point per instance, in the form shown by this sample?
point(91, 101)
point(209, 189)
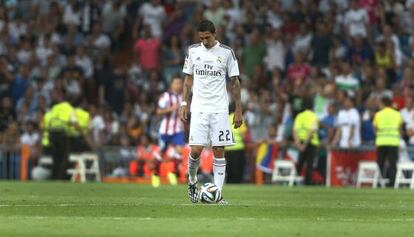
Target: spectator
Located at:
point(338, 50)
point(275, 51)
point(348, 126)
point(173, 58)
point(71, 14)
point(346, 81)
point(408, 19)
point(44, 50)
point(97, 126)
point(20, 83)
point(153, 15)
point(328, 124)
point(359, 51)
point(254, 53)
point(380, 88)
point(367, 127)
point(31, 138)
point(356, 21)
point(147, 50)
point(98, 39)
point(299, 70)
point(83, 60)
point(321, 44)
point(215, 13)
point(7, 114)
point(113, 15)
point(73, 78)
point(324, 99)
point(407, 115)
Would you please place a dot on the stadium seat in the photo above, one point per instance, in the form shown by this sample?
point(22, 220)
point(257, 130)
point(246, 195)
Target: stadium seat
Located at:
point(285, 171)
point(81, 168)
point(369, 173)
point(401, 175)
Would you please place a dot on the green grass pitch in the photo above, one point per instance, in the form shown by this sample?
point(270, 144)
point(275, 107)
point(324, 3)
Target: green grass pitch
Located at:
point(66, 209)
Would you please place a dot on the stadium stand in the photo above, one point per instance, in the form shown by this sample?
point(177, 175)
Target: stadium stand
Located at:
point(114, 58)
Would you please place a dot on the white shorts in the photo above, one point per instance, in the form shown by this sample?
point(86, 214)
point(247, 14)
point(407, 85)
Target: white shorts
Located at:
point(210, 128)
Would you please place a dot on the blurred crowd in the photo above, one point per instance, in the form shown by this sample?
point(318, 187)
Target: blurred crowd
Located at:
point(118, 56)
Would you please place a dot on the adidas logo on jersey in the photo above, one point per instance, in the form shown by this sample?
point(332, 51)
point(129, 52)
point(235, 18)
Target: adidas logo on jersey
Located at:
point(198, 59)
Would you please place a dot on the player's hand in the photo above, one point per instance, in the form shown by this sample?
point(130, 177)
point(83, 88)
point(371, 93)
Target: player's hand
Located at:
point(238, 119)
point(184, 114)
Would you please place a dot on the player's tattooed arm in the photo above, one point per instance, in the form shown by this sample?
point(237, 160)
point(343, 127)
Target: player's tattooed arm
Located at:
point(188, 84)
point(235, 93)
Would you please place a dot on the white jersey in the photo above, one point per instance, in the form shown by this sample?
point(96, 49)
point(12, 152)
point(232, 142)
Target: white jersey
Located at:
point(208, 68)
point(171, 123)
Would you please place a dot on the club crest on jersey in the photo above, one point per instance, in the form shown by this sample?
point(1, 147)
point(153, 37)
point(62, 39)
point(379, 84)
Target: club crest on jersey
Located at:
point(219, 59)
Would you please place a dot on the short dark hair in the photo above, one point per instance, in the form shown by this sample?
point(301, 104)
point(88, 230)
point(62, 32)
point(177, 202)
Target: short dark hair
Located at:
point(386, 101)
point(307, 103)
point(350, 98)
point(206, 25)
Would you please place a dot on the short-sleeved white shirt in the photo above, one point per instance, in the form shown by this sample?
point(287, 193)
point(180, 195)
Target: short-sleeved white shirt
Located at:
point(356, 20)
point(209, 68)
point(347, 119)
point(153, 16)
point(408, 118)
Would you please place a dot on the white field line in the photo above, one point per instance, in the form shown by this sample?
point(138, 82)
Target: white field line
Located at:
point(119, 218)
point(284, 205)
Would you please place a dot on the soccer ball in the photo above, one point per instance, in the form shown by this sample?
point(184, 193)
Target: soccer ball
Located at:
point(209, 193)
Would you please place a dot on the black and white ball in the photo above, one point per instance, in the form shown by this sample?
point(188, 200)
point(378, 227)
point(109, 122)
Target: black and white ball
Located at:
point(209, 193)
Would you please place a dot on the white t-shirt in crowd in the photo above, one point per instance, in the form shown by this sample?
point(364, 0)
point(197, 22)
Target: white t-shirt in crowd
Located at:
point(346, 120)
point(97, 125)
point(356, 20)
point(275, 55)
point(153, 16)
point(408, 119)
point(208, 68)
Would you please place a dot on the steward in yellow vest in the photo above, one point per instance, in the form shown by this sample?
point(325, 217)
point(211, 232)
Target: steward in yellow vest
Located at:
point(45, 135)
point(387, 124)
point(59, 123)
point(305, 134)
point(79, 131)
point(236, 154)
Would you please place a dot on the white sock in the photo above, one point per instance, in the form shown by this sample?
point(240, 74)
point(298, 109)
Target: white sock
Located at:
point(219, 169)
point(193, 165)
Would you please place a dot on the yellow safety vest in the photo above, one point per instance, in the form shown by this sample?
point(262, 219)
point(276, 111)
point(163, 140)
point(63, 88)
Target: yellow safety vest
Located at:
point(387, 123)
point(82, 120)
point(44, 126)
point(61, 116)
point(305, 122)
point(238, 136)
point(383, 60)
